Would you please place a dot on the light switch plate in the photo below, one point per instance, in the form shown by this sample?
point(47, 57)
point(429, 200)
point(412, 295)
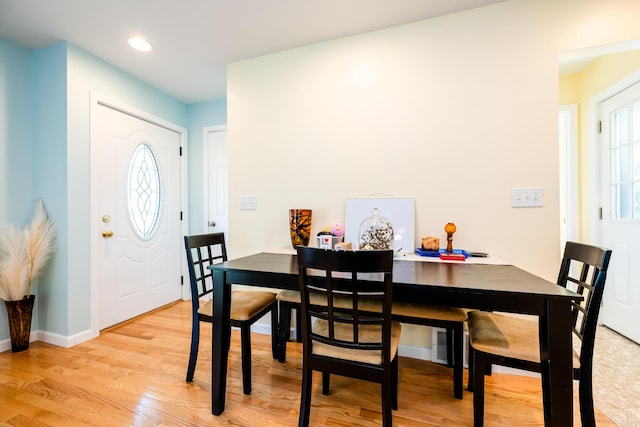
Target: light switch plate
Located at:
point(248, 203)
point(527, 197)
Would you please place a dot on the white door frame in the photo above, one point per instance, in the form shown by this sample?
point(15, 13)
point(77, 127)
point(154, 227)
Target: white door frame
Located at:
point(97, 99)
point(594, 158)
point(569, 178)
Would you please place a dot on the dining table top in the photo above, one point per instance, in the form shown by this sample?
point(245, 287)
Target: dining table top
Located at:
point(453, 282)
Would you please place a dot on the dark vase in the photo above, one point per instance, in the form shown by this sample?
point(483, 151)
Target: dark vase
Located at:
point(300, 226)
point(19, 313)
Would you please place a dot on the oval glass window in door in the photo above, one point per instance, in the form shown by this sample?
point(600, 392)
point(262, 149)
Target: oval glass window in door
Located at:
point(143, 188)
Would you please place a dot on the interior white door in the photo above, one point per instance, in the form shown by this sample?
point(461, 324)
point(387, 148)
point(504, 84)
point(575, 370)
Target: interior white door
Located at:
point(135, 182)
point(620, 196)
point(216, 182)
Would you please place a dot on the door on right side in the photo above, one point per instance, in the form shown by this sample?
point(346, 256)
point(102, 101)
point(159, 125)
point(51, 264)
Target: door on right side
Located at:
point(620, 198)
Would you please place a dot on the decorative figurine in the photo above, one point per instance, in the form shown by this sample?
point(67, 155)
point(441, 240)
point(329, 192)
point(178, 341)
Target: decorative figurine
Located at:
point(450, 228)
point(336, 229)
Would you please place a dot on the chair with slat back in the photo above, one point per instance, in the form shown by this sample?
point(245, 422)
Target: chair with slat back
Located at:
point(246, 306)
point(340, 336)
point(512, 341)
point(451, 319)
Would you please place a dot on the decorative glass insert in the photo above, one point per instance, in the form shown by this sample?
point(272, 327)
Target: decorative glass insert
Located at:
point(625, 162)
point(144, 191)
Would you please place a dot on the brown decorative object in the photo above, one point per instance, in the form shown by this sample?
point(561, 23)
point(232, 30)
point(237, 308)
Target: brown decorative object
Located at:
point(300, 226)
point(431, 244)
point(344, 246)
point(19, 313)
point(450, 228)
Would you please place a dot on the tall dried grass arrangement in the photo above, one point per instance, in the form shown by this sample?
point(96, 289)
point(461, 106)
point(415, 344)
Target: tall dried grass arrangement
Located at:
point(14, 271)
point(25, 254)
point(39, 238)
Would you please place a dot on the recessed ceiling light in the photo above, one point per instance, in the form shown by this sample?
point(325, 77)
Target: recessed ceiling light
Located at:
point(140, 44)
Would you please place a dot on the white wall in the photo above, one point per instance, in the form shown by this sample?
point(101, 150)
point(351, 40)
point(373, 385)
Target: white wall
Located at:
point(454, 111)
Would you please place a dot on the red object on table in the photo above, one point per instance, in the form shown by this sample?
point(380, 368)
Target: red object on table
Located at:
point(453, 257)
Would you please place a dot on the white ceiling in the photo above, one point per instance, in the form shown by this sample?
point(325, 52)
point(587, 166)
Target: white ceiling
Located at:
point(194, 40)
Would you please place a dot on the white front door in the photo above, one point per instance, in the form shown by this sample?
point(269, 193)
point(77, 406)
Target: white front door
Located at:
point(216, 203)
point(620, 197)
point(135, 190)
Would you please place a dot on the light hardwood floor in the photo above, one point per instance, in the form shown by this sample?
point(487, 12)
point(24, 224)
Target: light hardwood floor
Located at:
point(133, 375)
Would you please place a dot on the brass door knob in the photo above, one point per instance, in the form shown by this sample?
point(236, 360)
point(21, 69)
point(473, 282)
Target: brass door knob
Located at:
point(107, 234)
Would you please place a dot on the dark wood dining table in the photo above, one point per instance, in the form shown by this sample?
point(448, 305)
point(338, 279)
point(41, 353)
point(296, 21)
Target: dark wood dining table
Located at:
point(493, 287)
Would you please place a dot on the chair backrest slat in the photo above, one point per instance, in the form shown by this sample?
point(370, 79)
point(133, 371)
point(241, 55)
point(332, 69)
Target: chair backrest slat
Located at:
point(203, 250)
point(349, 290)
point(585, 267)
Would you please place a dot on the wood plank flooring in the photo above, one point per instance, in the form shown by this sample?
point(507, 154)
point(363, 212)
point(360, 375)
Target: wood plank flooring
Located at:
point(133, 375)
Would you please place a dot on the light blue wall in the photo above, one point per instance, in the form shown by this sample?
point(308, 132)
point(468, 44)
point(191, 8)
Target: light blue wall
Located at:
point(16, 124)
point(201, 115)
point(44, 147)
point(50, 179)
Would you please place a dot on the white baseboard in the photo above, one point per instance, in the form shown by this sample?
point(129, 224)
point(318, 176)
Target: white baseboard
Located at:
point(53, 339)
point(6, 343)
point(261, 328)
point(67, 341)
point(415, 352)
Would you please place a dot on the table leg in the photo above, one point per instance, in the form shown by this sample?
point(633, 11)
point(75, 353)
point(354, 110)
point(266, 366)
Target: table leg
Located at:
point(275, 333)
point(221, 340)
point(556, 355)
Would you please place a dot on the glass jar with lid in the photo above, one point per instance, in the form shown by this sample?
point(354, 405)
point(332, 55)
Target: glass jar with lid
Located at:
point(376, 233)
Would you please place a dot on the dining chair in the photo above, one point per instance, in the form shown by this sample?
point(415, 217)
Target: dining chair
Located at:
point(339, 336)
point(246, 306)
point(452, 319)
point(514, 341)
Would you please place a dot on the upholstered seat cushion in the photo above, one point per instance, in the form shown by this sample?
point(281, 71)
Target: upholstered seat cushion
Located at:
point(367, 333)
point(423, 311)
point(508, 336)
point(426, 311)
point(244, 304)
point(289, 296)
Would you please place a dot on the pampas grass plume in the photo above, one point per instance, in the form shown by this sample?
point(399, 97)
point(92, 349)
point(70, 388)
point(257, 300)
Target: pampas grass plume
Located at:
point(14, 271)
point(39, 238)
point(24, 254)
